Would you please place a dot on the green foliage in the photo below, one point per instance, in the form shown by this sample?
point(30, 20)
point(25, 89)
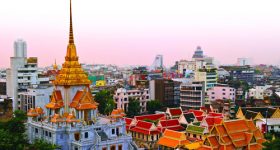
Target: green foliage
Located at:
point(40, 144)
point(105, 100)
point(109, 106)
point(272, 145)
point(153, 105)
point(133, 108)
point(12, 134)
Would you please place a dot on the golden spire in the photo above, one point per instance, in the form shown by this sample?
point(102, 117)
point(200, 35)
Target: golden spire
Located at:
point(71, 72)
point(55, 65)
point(71, 35)
point(71, 49)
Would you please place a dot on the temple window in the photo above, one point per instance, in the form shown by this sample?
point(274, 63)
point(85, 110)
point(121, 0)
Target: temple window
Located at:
point(46, 133)
point(36, 130)
point(113, 131)
point(50, 134)
point(86, 135)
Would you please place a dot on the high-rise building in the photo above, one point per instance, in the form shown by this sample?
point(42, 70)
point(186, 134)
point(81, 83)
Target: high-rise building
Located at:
point(198, 53)
point(164, 90)
point(22, 73)
point(209, 76)
point(243, 62)
point(71, 120)
point(158, 63)
point(192, 95)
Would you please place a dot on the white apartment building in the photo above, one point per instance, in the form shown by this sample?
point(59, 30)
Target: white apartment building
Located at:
point(36, 96)
point(22, 73)
point(122, 96)
point(259, 91)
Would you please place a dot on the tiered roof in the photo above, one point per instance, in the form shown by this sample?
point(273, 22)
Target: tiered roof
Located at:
point(253, 112)
point(172, 124)
point(35, 112)
point(195, 129)
point(174, 112)
point(234, 134)
point(83, 100)
point(71, 72)
point(144, 127)
point(117, 113)
point(173, 139)
point(56, 100)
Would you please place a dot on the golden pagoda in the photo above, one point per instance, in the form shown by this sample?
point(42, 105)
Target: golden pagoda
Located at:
point(71, 72)
point(72, 92)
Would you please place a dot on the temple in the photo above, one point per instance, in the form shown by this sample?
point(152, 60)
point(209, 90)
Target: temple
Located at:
point(71, 120)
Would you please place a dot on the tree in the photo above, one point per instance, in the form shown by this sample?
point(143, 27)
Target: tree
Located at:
point(133, 108)
point(272, 145)
point(110, 105)
point(40, 144)
point(12, 134)
point(153, 105)
point(103, 98)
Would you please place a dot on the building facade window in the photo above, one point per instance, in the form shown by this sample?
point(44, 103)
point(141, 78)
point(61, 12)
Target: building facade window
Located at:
point(86, 135)
point(113, 131)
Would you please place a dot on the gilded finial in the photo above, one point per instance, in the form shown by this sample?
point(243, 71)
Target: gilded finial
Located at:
point(55, 65)
point(71, 35)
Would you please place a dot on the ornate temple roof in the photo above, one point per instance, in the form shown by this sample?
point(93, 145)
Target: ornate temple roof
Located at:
point(71, 72)
point(173, 139)
point(83, 100)
point(56, 100)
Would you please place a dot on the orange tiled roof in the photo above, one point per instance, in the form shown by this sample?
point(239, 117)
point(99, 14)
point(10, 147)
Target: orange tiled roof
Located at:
point(213, 141)
point(39, 110)
point(83, 100)
point(32, 113)
point(173, 139)
point(56, 118)
point(117, 113)
point(56, 100)
point(71, 118)
point(235, 134)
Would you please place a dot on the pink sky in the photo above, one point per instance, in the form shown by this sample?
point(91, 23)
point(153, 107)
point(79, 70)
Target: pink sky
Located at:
point(132, 32)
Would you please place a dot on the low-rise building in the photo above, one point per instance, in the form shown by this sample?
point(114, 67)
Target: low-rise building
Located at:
point(223, 92)
point(123, 95)
point(269, 125)
point(36, 96)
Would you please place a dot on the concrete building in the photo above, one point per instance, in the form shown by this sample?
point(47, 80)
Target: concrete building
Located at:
point(209, 76)
point(22, 73)
point(192, 95)
point(71, 119)
point(258, 92)
point(3, 86)
point(269, 125)
point(198, 53)
point(38, 96)
point(243, 62)
point(164, 90)
point(243, 73)
point(221, 92)
point(122, 97)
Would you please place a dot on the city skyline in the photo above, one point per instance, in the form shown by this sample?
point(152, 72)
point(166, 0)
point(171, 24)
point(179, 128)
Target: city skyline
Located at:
point(107, 34)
